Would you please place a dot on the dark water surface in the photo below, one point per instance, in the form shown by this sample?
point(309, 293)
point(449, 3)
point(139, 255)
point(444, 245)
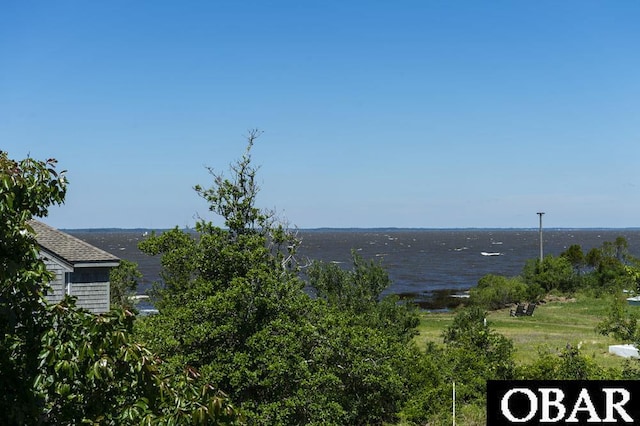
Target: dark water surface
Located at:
point(424, 264)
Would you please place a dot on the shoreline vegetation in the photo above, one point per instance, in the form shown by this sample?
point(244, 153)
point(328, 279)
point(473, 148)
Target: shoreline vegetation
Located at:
point(558, 322)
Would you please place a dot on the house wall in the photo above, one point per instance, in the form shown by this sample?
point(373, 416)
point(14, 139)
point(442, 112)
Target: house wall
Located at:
point(91, 287)
point(57, 290)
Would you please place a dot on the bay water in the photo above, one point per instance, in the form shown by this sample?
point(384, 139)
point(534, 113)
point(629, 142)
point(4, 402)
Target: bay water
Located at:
point(427, 265)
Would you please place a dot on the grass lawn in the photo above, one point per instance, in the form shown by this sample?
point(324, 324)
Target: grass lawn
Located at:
point(553, 325)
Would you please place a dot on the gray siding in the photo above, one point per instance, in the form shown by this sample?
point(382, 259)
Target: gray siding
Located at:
point(92, 296)
point(56, 293)
point(91, 287)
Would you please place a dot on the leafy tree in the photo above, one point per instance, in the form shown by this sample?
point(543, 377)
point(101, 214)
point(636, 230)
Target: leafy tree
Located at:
point(472, 354)
point(593, 257)
point(123, 281)
point(576, 257)
point(477, 350)
point(91, 370)
point(613, 267)
point(372, 350)
point(618, 249)
point(234, 307)
point(496, 292)
point(620, 322)
point(358, 292)
point(475, 353)
point(60, 364)
point(27, 189)
point(566, 364)
point(553, 273)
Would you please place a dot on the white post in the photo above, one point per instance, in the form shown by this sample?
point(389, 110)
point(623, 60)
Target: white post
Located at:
point(454, 403)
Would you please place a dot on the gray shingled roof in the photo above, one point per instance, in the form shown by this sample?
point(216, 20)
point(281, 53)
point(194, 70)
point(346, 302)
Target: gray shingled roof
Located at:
point(67, 247)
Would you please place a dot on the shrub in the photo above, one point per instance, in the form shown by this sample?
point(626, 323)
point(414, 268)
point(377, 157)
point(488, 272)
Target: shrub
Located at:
point(496, 292)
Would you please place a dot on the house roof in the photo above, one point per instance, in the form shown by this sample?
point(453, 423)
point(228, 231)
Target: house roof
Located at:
point(69, 248)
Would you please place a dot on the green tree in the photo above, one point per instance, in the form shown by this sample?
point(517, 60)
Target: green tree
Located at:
point(472, 354)
point(470, 333)
point(370, 340)
point(496, 292)
point(621, 322)
point(60, 364)
point(593, 257)
point(358, 292)
point(233, 305)
point(123, 281)
point(475, 353)
point(618, 249)
point(27, 189)
point(576, 257)
point(566, 364)
point(612, 267)
point(553, 273)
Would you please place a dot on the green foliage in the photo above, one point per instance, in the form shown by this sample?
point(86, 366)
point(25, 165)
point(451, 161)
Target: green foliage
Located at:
point(614, 268)
point(476, 353)
point(368, 338)
point(234, 200)
point(355, 290)
point(358, 293)
point(474, 340)
point(60, 364)
point(234, 307)
point(576, 257)
point(567, 364)
point(604, 270)
point(27, 189)
point(473, 353)
point(123, 281)
point(496, 292)
point(621, 322)
point(554, 273)
point(91, 370)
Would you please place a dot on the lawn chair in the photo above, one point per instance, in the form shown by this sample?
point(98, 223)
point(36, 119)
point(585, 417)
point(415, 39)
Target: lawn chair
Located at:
point(530, 309)
point(518, 312)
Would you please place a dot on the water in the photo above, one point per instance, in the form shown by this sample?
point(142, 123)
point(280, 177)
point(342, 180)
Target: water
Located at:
point(424, 264)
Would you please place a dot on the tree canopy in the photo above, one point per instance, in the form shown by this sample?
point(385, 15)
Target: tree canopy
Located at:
point(234, 305)
point(63, 365)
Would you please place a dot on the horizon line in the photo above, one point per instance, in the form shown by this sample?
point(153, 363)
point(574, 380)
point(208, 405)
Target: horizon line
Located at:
point(373, 228)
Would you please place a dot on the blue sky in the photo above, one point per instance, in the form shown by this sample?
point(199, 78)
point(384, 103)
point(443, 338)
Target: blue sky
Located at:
point(375, 113)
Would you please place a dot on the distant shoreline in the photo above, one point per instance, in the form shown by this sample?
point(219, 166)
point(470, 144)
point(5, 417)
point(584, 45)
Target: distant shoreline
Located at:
point(381, 229)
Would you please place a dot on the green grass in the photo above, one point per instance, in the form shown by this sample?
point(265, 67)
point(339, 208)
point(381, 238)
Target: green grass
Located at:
point(553, 325)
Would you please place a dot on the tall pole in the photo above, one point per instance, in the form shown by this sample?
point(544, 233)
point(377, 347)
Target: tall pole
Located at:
point(541, 253)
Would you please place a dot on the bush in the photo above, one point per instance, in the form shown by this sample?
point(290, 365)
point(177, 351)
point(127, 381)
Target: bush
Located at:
point(566, 364)
point(473, 353)
point(553, 273)
point(496, 292)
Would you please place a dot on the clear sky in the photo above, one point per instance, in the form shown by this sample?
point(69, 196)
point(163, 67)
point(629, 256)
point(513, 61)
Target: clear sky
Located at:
point(375, 113)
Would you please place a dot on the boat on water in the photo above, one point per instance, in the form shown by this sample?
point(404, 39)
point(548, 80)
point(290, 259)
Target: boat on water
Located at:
point(491, 253)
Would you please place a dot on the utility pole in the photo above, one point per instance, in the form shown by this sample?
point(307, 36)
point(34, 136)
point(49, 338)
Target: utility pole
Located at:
point(541, 253)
